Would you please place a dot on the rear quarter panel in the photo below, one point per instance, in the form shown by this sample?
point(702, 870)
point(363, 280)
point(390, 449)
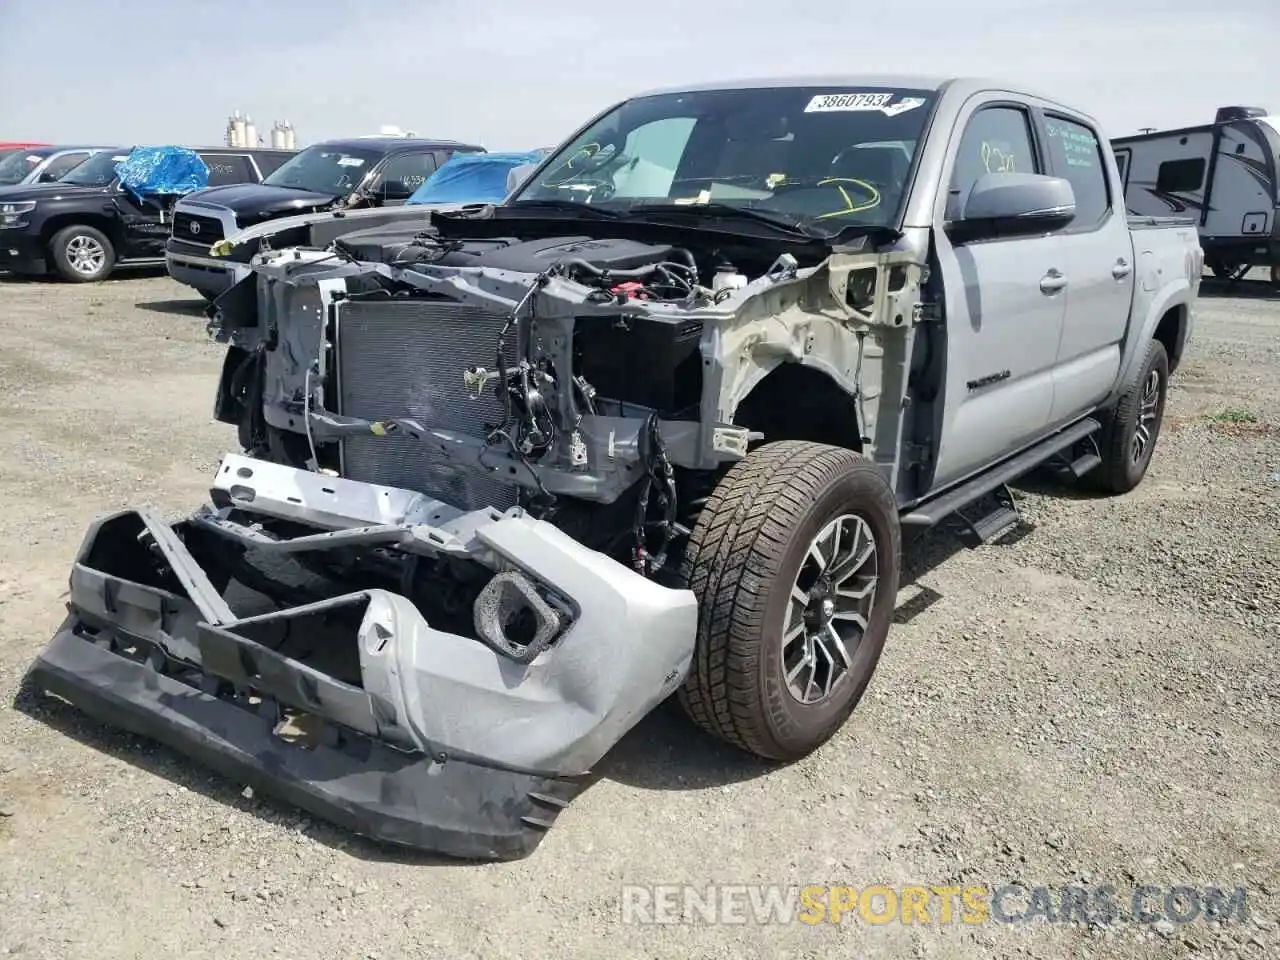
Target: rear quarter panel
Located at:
point(1169, 260)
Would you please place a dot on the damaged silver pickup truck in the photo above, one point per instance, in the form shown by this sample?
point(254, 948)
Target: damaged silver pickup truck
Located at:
point(513, 475)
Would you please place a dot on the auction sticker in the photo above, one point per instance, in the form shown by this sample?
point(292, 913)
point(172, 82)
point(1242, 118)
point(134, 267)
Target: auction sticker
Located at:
point(862, 102)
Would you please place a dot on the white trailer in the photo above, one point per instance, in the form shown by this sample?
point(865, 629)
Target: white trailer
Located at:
point(1223, 173)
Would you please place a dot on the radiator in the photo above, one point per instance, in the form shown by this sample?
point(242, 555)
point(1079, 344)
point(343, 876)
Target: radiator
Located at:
point(406, 359)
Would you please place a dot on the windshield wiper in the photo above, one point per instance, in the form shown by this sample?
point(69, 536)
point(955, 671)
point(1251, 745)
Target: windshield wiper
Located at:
point(784, 223)
point(569, 206)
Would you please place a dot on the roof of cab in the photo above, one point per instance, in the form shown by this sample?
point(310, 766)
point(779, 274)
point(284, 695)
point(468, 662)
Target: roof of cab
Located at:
point(963, 86)
point(241, 150)
point(388, 144)
point(48, 150)
point(906, 81)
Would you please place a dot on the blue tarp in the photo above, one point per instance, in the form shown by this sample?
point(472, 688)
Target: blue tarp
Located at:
point(473, 177)
point(156, 171)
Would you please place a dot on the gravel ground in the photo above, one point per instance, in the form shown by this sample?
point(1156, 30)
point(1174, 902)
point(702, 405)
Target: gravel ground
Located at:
point(1094, 702)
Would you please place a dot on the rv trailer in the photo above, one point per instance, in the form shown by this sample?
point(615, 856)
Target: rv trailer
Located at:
point(1224, 174)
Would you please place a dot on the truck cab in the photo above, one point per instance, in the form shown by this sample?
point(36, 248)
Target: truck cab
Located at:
point(375, 171)
point(1048, 300)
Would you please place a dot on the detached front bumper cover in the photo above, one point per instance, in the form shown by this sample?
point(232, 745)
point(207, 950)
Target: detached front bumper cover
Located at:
point(445, 744)
point(455, 808)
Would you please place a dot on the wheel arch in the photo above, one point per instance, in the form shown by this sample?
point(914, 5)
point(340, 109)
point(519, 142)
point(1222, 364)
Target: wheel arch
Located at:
point(798, 400)
point(1171, 330)
point(98, 221)
point(1168, 314)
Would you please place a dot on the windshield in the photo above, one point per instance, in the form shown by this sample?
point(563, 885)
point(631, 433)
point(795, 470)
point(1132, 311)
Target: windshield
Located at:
point(15, 167)
point(98, 171)
point(324, 170)
point(827, 157)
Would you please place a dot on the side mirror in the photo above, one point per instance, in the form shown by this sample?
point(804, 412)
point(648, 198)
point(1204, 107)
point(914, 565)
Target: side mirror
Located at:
point(394, 191)
point(47, 177)
point(1014, 204)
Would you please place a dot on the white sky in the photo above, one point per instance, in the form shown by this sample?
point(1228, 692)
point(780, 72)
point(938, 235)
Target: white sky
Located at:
point(514, 74)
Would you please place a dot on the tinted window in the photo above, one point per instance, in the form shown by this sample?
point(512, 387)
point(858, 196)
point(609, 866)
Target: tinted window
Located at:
point(996, 140)
point(99, 170)
point(1180, 176)
point(61, 166)
point(405, 174)
point(1122, 164)
point(1077, 157)
point(225, 169)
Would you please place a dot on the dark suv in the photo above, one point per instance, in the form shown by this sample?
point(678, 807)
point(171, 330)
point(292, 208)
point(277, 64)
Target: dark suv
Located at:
point(85, 225)
point(363, 172)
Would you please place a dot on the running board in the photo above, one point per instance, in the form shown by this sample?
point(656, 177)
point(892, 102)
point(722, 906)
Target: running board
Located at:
point(934, 511)
point(989, 517)
point(1077, 461)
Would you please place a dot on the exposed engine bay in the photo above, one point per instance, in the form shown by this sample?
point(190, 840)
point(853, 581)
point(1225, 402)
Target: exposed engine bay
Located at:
point(596, 375)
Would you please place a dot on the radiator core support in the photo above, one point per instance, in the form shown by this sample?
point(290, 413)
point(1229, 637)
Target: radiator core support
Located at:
point(408, 359)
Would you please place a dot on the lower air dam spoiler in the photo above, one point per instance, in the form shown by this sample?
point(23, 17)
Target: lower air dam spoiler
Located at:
point(230, 637)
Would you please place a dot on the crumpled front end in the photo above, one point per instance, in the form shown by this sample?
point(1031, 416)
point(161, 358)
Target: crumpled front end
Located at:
point(418, 674)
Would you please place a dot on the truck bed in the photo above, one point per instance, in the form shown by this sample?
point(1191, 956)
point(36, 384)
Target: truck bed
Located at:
point(1141, 221)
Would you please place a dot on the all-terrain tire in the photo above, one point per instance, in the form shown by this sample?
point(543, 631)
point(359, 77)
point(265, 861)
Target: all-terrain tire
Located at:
point(82, 254)
point(742, 559)
point(1122, 466)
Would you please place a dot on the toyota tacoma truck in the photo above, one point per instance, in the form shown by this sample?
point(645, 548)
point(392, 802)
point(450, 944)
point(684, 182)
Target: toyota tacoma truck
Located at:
point(653, 427)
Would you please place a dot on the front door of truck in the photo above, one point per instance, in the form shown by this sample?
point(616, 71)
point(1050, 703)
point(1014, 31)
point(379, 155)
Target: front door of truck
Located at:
point(1005, 304)
point(1098, 253)
point(400, 176)
point(144, 224)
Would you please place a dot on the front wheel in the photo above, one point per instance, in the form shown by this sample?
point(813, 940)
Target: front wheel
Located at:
point(82, 254)
point(794, 561)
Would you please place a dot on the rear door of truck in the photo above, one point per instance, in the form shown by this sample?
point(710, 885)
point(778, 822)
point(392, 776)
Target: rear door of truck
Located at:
point(1100, 269)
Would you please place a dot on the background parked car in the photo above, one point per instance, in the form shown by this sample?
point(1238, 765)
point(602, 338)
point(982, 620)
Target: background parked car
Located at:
point(85, 225)
point(13, 146)
point(360, 172)
point(44, 164)
point(475, 178)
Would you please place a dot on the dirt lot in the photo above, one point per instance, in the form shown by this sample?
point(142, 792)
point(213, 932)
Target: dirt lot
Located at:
point(1093, 703)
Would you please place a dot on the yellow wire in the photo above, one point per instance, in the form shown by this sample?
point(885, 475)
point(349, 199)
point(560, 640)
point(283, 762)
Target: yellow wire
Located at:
point(850, 206)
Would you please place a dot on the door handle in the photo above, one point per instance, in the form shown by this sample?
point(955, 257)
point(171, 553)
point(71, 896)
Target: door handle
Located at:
point(1052, 282)
point(1121, 269)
